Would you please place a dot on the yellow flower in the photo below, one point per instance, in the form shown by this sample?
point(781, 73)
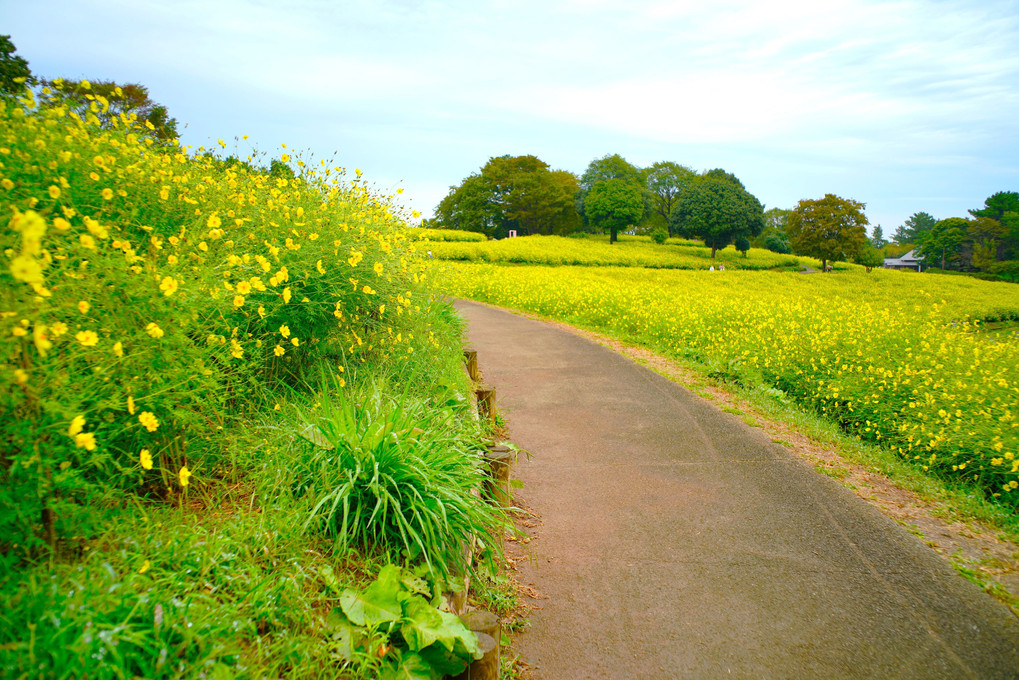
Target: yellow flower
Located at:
point(243, 287)
point(368, 290)
point(85, 440)
point(25, 268)
point(146, 564)
point(108, 194)
point(77, 423)
point(145, 458)
point(6, 184)
point(236, 351)
point(19, 331)
point(87, 242)
point(61, 224)
point(169, 286)
point(41, 339)
point(355, 257)
point(286, 295)
point(285, 331)
point(149, 420)
point(295, 342)
point(54, 191)
point(130, 404)
point(213, 221)
point(278, 350)
point(87, 338)
point(20, 376)
point(184, 475)
point(154, 330)
point(261, 311)
point(319, 267)
point(378, 268)
point(118, 348)
point(83, 307)
point(238, 300)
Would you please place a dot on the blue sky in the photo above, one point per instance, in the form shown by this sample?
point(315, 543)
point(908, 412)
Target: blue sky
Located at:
point(906, 106)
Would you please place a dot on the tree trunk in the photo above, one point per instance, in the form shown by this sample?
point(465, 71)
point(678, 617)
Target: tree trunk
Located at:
point(942, 259)
point(612, 236)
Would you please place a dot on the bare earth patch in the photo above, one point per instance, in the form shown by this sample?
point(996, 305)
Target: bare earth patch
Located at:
point(974, 550)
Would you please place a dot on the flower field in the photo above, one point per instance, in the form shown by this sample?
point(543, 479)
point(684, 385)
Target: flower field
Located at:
point(895, 358)
point(595, 251)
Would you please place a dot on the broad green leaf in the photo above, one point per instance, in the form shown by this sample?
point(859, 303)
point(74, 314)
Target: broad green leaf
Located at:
point(422, 624)
point(409, 666)
point(443, 661)
point(378, 602)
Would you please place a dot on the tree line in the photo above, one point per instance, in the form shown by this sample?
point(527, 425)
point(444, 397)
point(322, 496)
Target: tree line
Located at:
point(524, 195)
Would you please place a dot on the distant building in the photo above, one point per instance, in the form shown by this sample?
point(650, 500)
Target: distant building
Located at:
point(908, 261)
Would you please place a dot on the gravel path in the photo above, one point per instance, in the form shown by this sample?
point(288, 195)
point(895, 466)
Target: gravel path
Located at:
point(678, 542)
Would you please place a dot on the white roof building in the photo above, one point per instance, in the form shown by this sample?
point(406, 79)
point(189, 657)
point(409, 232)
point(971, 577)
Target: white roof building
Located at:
point(908, 261)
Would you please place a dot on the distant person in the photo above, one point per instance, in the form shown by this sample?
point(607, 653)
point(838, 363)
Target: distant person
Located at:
point(711, 268)
point(721, 267)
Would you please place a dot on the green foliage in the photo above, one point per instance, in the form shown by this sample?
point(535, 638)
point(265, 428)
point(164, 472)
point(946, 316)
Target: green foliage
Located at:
point(869, 257)
point(609, 166)
point(717, 209)
point(14, 72)
point(665, 182)
point(112, 105)
point(397, 618)
point(512, 193)
point(426, 234)
point(916, 224)
point(660, 236)
point(742, 245)
point(830, 228)
point(941, 243)
point(396, 475)
point(614, 204)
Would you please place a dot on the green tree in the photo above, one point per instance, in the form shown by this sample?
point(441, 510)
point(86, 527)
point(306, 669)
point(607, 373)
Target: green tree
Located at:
point(870, 257)
point(915, 225)
point(877, 237)
point(1003, 208)
point(717, 210)
point(773, 236)
point(943, 241)
point(832, 229)
point(614, 204)
point(665, 182)
point(111, 103)
point(742, 244)
point(610, 166)
point(512, 193)
point(14, 72)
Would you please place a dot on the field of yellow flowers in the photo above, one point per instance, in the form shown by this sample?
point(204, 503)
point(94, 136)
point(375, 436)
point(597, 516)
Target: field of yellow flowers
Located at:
point(595, 251)
point(896, 358)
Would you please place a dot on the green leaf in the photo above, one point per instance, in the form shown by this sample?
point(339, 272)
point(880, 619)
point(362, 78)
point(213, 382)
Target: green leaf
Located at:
point(423, 625)
point(378, 602)
point(443, 661)
point(409, 666)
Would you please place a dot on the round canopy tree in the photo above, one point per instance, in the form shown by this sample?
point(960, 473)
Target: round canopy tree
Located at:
point(832, 229)
point(717, 210)
point(614, 204)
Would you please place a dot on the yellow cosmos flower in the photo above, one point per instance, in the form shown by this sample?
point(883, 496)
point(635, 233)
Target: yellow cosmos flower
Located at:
point(278, 350)
point(149, 420)
point(243, 287)
point(285, 331)
point(213, 222)
point(118, 348)
point(169, 286)
point(27, 269)
point(6, 184)
point(60, 224)
point(295, 342)
point(85, 440)
point(108, 194)
point(87, 338)
point(54, 191)
point(238, 300)
point(184, 475)
point(41, 339)
point(130, 404)
point(261, 311)
point(378, 268)
point(20, 376)
point(77, 423)
point(286, 295)
point(145, 458)
point(154, 330)
point(146, 564)
point(83, 307)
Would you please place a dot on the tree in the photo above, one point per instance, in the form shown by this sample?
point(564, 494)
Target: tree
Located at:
point(830, 228)
point(773, 237)
point(742, 244)
point(512, 193)
point(717, 210)
point(665, 182)
point(943, 240)
point(870, 257)
point(913, 227)
point(14, 72)
point(614, 204)
point(610, 166)
point(877, 237)
point(1003, 208)
point(111, 103)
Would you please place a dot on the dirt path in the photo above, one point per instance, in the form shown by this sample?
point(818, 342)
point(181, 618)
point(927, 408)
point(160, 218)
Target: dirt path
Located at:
point(677, 542)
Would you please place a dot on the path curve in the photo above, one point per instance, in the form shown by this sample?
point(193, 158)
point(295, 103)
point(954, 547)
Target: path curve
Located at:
point(678, 542)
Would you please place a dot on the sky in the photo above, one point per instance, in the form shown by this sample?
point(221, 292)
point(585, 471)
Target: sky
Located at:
point(907, 106)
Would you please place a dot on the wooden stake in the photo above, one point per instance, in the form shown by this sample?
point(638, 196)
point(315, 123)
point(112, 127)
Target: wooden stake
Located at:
point(487, 667)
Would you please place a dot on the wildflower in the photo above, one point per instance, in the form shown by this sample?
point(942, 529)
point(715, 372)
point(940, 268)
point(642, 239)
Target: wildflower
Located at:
point(169, 286)
point(184, 475)
point(27, 269)
point(145, 458)
point(378, 268)
point(295, 342)
point(278, 350)
point(286, 295)
point(77, 423)
point(87, 242)
point(6, 184)
point(146, 564)
point(41, 339)
point(54, 191)
point(87, 338)
point(85, 440)
point(83, 306)
point(118, 348)
point(243, 287)
point(285, 331)
point(130, 404)
point(60, 224)
point(213, 222)
point(154, 330)
point(108, 194)
point(368, 290)
point(318, 266)
point(149, 420)
point(261, 311)
point(238, 300)
point(236, 351)
point(20, 376)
